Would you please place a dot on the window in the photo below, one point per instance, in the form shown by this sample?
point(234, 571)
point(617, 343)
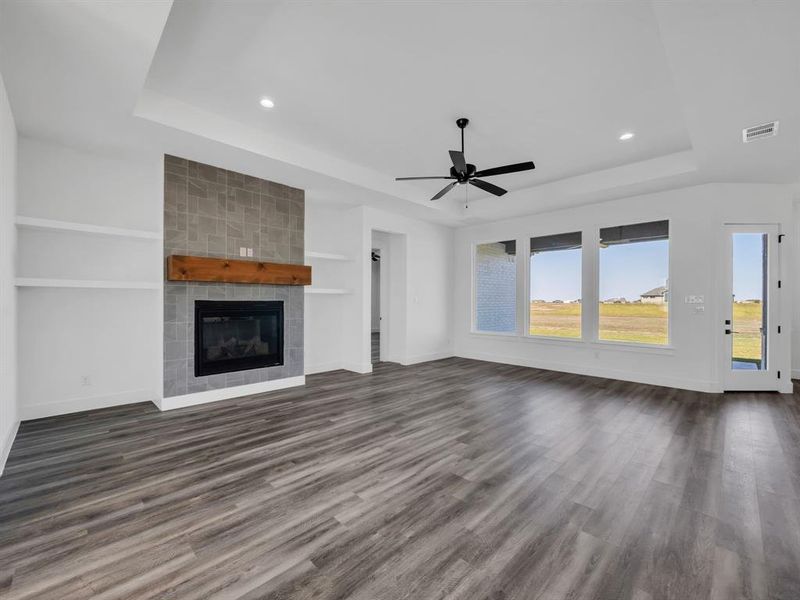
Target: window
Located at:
point(555, 285)
point(496, 287)
point(634, 284)
point(750, 281)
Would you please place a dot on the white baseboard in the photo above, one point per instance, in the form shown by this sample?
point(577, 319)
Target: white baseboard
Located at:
point(323, 367)
point(6, 449)
point(421, 358)
point(362, 368)
point(661, 380)
point(63, 407)
point(228, 393)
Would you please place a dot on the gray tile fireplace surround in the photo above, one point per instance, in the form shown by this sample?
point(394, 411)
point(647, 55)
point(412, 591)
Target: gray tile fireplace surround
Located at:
point(210, 211)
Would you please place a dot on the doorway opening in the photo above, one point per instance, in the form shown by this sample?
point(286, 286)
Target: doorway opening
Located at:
point(751, 314)
point(385, 326)
point(375, 330)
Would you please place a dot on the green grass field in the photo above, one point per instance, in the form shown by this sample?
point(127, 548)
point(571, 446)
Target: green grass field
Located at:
point(641, 323)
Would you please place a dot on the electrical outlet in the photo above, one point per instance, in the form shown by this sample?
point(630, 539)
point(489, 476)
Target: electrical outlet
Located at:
point(242, 251)
point(250, 252)
point(86, 380)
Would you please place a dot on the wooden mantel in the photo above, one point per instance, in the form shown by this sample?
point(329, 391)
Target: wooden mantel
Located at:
point(227, 270)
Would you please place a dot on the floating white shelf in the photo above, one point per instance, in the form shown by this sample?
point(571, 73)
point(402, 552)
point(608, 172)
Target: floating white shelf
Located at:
point(89, 284)
point(326, 256)
point(51, 225)
point(312, 290)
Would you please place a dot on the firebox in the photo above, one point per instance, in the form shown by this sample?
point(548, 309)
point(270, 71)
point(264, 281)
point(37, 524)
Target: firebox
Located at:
point(237, 335)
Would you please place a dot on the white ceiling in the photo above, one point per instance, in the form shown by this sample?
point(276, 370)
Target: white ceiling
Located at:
point(368, 91)
point(381, 84)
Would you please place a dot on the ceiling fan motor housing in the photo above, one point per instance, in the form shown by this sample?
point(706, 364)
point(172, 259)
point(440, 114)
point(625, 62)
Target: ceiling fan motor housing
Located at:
point(463, 177)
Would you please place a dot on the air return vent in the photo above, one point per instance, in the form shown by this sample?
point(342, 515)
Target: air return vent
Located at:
point(760, 131)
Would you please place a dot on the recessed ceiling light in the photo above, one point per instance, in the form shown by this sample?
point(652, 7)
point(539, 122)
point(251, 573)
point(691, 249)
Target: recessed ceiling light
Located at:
point(625, 136)
point(266, 102)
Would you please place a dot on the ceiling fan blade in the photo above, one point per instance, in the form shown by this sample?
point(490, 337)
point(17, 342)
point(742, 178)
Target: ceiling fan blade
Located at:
point(458, 161)
point(444, 191)
point(524, 166)
point(489, 187)
point(410, 178)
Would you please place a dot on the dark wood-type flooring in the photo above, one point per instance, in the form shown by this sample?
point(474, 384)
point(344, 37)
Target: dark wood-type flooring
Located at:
point(453, 479)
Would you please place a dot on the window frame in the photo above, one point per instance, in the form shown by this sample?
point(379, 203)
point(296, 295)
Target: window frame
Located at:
point(473, 325)
point(527, 290)
point(596, 277)
point(590, 291)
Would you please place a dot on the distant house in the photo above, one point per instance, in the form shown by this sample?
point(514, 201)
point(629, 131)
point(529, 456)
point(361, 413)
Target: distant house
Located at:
point(619, 300)
point(655, 296)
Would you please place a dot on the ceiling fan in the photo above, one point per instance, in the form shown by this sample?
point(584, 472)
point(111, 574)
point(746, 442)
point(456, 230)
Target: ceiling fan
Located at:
point(463, 172)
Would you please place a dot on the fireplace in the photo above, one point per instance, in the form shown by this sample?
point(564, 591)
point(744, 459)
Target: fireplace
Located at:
point(237, 335)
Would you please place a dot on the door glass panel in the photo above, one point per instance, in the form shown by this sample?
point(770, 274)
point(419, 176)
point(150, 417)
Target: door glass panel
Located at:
point(749, 301)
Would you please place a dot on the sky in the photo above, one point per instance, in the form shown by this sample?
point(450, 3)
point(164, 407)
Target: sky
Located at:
point(628, 270)
point(747, 266)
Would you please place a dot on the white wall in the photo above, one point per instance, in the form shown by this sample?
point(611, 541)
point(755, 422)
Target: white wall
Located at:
point(111, 337)
point(696, 216)
point(330, 231)
point(9, 419)
point(795, 276)
point(420, 264)
point(419, 261)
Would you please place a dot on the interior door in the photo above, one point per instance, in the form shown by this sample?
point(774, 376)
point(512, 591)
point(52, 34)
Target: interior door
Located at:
point(750, 308)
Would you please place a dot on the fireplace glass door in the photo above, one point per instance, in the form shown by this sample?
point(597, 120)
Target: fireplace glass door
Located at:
point(237, 335)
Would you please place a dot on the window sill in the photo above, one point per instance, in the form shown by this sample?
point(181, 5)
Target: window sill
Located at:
point(502, 334)
point(548, 339)
point(633, 347)
point(577, 343)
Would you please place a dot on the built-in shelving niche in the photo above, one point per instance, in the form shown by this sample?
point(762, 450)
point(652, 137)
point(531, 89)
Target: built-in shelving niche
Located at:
point(73, 280)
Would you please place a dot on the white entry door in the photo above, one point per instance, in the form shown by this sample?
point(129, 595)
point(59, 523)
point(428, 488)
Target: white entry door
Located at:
point(750, 308)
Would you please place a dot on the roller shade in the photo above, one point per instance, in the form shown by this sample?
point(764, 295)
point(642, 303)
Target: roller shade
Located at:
point(559, 241)
point(511, 247)
point(638, 232)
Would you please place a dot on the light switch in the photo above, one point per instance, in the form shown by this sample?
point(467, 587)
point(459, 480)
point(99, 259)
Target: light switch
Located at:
point(242, 251)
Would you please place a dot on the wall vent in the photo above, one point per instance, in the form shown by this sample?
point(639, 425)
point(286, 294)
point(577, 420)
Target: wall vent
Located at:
point(760, 131)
